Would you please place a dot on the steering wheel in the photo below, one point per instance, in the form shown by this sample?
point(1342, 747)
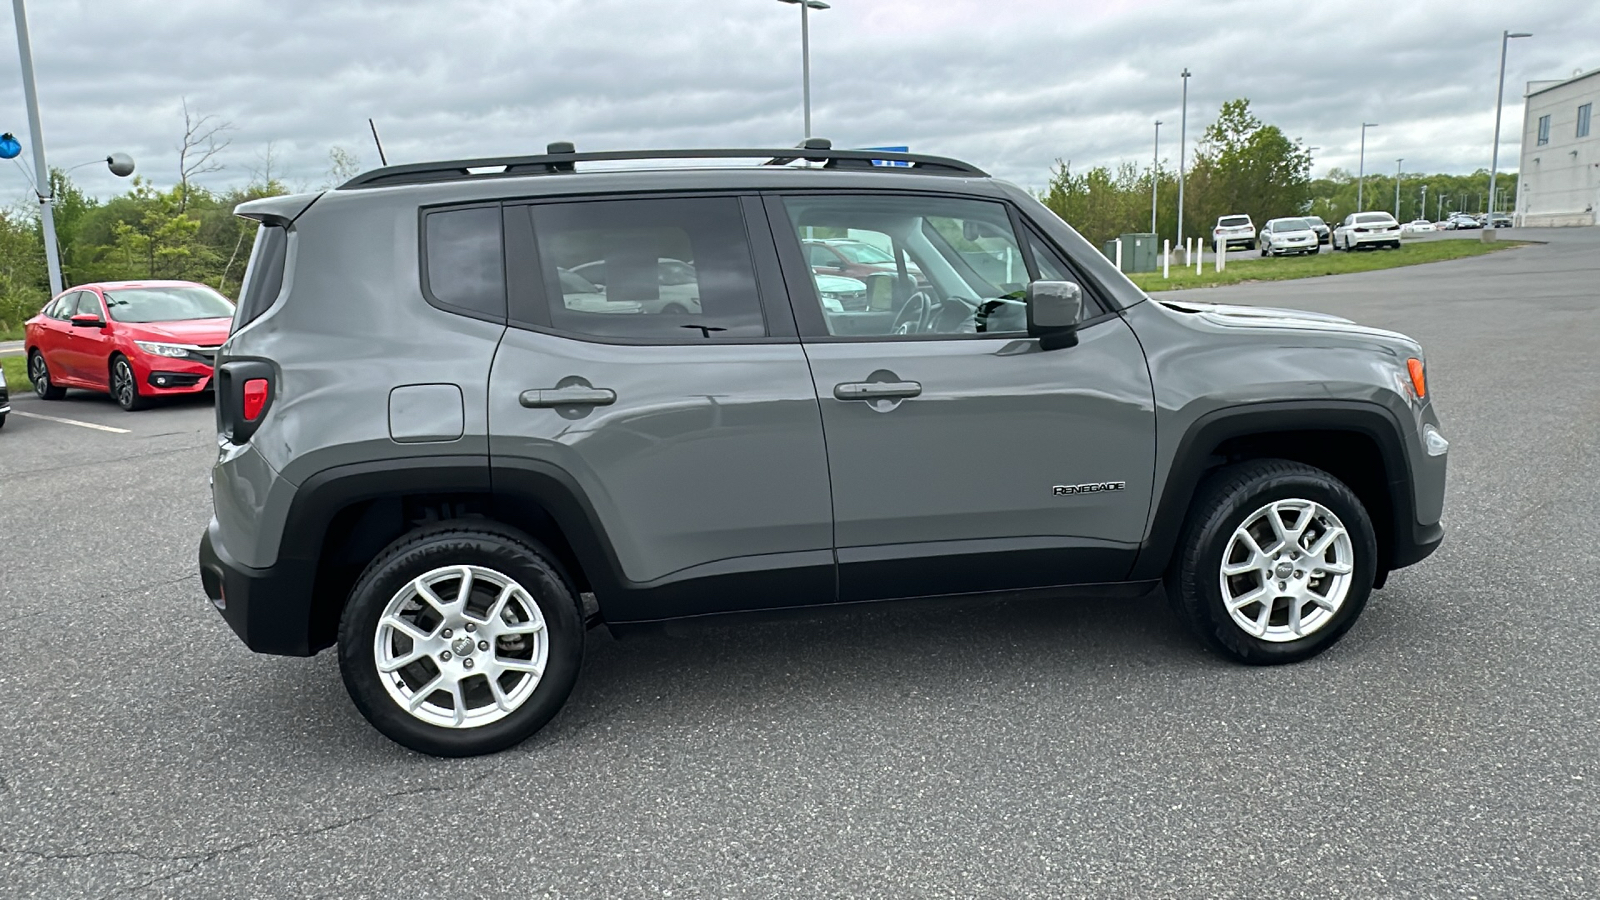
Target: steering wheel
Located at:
point(914, 314)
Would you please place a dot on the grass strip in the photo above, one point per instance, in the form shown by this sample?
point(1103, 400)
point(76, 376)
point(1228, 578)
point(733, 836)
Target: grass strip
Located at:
point(1328, 262)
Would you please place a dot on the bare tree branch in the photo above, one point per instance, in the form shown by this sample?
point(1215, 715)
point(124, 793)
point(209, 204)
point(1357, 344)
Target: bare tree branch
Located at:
point(203, 138)
point(268, 158)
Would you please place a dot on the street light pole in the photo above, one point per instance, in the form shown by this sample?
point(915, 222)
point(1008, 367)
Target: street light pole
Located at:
point(805, 53)
point(1361, 178)
point(1155, 177)
point(41, 170)
point(1499, 101)
point(1397, 187)
point(1183, 134)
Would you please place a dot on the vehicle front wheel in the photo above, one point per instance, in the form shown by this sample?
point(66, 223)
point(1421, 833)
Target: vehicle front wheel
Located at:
point(461, 638)
point(125, 385)
point(39, 374)
point(1276, 561)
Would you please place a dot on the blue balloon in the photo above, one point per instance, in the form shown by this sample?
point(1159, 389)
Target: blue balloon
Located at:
point(9, 148)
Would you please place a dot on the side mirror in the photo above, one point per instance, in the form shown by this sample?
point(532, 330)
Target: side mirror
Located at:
point(1053, 311)
point(87, 320)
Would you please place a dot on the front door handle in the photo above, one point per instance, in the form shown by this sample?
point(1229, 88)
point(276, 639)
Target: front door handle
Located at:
point(577, 395)
point(876, 390)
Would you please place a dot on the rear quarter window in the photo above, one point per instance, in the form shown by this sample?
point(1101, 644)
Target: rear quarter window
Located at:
point(463, 261)
point(263, 275)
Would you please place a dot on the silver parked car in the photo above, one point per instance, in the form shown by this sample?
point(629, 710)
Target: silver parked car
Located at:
point(1280, 236)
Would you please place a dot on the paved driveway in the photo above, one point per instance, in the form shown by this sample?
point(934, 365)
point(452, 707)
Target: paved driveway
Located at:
point(1449, 747)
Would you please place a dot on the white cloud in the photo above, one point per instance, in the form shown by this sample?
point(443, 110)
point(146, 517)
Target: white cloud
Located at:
point(1010, 85)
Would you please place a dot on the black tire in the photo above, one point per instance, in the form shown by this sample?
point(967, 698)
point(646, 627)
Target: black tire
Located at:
point(3, 419)
point(1222, 503)
point(39, 374)
point(479, 542)
point(125, 385)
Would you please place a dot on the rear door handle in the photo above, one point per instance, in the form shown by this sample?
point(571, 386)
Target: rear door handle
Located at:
point(876, 390)
point(548, 398)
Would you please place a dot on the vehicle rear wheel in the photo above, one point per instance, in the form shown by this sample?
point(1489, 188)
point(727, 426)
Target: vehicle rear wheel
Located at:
point(461, 639)
point(39, 374)
point(1276, 562)
point(125, 385)
point(1263, 251)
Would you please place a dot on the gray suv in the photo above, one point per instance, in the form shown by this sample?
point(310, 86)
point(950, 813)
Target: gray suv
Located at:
point(431, 445)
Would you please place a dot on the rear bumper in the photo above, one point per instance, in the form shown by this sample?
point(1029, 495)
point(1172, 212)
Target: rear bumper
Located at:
point(269, 609)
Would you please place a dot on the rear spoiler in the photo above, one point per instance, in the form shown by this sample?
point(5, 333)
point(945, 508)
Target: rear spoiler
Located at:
point(276, 210)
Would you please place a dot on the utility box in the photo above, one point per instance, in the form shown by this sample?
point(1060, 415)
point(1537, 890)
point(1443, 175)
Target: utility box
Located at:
point(1140, 252)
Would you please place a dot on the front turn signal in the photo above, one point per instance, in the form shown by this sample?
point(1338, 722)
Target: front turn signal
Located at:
point(1419, 378)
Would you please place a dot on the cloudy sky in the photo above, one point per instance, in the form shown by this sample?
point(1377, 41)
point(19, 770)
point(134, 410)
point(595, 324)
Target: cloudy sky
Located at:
point(1011, 85)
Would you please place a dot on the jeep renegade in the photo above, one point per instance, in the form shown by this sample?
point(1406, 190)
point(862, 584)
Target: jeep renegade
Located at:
point(434, 437)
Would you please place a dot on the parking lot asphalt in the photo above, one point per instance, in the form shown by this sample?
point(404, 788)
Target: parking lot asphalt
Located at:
point(1448, 747)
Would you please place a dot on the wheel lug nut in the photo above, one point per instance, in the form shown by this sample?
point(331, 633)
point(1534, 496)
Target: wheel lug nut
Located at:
point(1283, 586)
point(483, 645)
point(447, 632)
point(467, 663)
point(1299, 574)
point(445, 656)
point(471, 627)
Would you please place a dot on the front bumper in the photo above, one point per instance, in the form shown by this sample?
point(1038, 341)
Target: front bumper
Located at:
point(165, 376)
point(270, 609)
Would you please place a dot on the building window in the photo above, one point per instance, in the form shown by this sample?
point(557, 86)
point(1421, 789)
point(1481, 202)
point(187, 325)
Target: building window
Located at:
point(1583, 119)
point(1544, 130)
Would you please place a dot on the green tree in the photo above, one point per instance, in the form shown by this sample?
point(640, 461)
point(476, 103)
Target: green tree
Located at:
point(1247, 166)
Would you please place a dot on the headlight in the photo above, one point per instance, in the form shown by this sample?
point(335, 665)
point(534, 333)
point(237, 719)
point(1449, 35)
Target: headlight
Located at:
point(155, 349)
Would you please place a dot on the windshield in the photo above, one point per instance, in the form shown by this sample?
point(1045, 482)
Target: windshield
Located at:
point(1233, 221)
point(167, 304)
point(1292, 225)
point(1315, 220)
point(863, 253)
point(1373, 218)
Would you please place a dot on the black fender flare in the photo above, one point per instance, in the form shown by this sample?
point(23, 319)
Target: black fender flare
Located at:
point(1193, 459)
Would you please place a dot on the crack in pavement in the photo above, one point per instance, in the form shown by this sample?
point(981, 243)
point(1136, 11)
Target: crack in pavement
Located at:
point(200, 859)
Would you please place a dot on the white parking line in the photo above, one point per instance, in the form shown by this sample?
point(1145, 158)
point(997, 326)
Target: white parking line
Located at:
point(18, 412)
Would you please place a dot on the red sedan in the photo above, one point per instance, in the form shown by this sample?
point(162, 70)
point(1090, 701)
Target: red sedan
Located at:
point(134, 340)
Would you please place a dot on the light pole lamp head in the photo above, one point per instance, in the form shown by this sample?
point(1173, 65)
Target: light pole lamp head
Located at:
point(810, 4)
point(1517, 34)
point(120, 164)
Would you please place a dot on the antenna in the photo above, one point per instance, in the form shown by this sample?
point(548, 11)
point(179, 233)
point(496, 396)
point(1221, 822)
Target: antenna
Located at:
point(381, 158)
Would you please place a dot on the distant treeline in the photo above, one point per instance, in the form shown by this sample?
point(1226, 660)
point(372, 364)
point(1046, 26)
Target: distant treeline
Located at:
point(1243, 165)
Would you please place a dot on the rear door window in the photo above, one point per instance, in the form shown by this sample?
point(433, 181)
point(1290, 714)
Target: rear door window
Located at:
point(667, 270)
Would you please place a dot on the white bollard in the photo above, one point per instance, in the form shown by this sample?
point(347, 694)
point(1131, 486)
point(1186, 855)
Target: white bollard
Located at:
point(1222, 255)
point(1199, 255)
point(1166, 258)
point(1119, 254)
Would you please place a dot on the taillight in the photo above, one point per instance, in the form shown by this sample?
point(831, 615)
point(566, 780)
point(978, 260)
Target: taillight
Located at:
point(255, 398)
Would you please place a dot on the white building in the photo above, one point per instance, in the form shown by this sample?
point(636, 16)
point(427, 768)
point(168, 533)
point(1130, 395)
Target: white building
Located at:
point(1559, 180)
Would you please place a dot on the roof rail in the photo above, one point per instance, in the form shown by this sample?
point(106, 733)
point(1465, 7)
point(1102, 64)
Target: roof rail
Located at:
point(561, 157)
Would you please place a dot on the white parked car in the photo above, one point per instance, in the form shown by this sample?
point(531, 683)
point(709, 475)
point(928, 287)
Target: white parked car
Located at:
point(1233, 230)
point(1367, 229)
point(1418, 226)
point(1291, 235)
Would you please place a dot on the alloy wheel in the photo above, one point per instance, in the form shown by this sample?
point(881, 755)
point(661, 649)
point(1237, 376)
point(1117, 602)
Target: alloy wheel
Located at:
point(122, 387)
point(461, 646)
point(39, 374)
point(1287, 570)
